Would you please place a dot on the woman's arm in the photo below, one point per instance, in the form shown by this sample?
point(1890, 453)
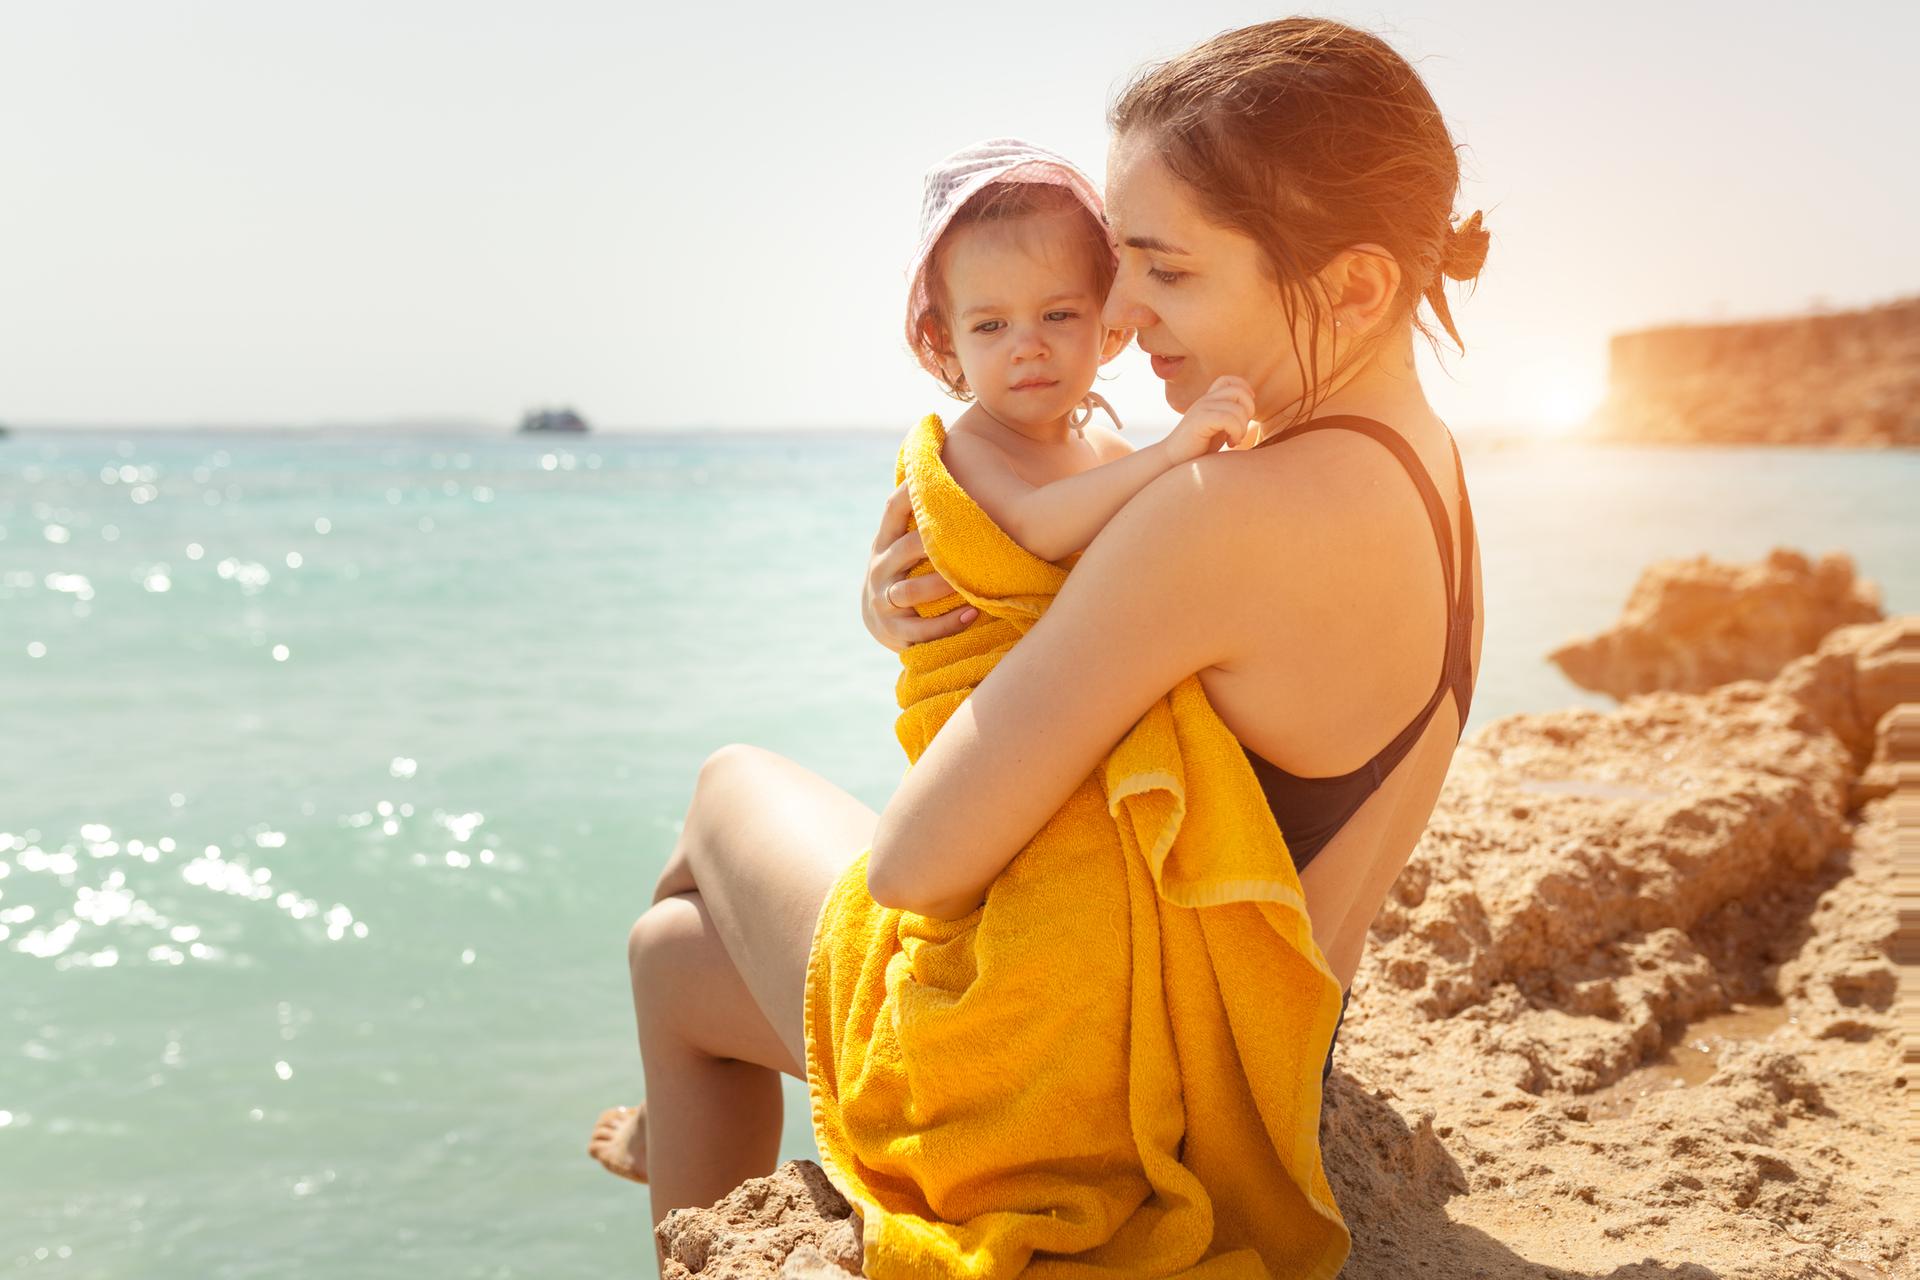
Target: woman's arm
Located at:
point(1159, 595)
point(1057, 519)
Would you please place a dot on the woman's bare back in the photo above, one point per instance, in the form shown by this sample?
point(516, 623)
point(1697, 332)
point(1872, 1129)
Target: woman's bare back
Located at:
point(1376, 660)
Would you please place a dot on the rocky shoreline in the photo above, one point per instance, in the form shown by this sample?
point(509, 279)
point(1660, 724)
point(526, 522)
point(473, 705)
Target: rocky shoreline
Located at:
point(1656, 943)
point(1652, 946)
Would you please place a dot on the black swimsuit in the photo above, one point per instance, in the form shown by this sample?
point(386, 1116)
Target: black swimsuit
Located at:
point(1311, 811)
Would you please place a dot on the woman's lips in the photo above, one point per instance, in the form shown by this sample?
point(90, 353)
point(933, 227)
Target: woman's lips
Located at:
point(1164, 367)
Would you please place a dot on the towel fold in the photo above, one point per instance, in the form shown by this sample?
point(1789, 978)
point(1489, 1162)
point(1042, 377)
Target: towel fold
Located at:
point(1111, 1067)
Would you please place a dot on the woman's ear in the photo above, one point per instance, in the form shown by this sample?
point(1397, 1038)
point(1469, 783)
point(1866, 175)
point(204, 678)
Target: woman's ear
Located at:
point(1116, 342)
point(1361, 283)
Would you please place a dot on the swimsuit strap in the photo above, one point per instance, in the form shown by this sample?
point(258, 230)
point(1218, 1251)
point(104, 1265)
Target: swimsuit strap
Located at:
point(1456, 672)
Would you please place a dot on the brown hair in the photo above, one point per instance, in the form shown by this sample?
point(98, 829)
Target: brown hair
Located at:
point(1001, 202)
point(1311, 136)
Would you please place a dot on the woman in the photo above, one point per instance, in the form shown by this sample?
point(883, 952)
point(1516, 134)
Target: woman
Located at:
point(1281, 197)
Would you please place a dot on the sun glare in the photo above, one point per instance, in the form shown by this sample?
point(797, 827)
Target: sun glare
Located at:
point(1556, 398)
point(1563, 409)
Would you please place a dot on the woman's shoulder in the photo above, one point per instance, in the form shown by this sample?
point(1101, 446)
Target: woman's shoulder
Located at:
point(1318, 483)
point(1312, 560)
point(1319, 525)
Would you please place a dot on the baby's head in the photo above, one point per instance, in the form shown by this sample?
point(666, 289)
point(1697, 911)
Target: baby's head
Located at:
point(1006, 291)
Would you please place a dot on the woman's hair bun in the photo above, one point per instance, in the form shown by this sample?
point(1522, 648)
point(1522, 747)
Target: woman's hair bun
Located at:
point(1466, 249)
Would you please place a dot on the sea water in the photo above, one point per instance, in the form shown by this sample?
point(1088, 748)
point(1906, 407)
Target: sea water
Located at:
point(335, 766)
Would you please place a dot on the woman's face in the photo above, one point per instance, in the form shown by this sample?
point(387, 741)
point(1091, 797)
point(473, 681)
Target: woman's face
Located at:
point(1200, 295)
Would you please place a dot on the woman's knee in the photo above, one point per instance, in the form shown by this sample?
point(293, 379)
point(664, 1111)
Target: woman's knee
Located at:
point(639, 941)
point(687, 993)
point(728, 780)
point(658, 950)
point(728, 771)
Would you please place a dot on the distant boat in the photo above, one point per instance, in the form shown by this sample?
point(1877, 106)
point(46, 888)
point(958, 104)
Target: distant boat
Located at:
point(553, 420)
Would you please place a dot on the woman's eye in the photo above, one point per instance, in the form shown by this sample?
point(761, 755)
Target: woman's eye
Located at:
point(1166, 277)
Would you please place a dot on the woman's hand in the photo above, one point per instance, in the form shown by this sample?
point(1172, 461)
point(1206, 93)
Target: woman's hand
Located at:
point(1222, 414)
point(887, 603)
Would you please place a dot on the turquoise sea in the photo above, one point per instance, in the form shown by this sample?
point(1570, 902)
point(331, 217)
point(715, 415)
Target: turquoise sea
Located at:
point(335, 766)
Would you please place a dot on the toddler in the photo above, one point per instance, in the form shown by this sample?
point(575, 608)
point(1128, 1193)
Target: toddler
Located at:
point(1004, 300)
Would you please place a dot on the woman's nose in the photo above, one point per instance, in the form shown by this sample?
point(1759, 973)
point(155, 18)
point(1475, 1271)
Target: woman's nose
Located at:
point(1122, 311)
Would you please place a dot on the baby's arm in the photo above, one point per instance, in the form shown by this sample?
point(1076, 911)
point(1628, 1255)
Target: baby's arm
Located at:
point(1055, 520)
point(1050, 520)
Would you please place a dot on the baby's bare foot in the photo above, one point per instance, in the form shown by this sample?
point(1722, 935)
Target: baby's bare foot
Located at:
point(620, 1141)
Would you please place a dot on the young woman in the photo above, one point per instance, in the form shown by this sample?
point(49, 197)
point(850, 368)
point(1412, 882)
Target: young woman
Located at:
point(1282, 201)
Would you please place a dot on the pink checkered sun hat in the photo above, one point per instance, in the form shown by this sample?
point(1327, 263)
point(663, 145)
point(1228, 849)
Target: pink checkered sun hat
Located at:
point(961, 176)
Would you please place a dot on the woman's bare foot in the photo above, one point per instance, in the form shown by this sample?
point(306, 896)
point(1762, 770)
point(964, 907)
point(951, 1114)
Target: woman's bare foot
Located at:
point(620, 1141)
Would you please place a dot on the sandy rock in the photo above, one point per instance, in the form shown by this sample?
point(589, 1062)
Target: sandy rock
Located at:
point(808, 1263)
point(1652, 947)
point(1856, 677)
point(1692, 624)
point(789, 1225)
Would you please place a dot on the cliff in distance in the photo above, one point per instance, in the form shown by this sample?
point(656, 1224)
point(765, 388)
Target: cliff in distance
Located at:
point(1846, 378)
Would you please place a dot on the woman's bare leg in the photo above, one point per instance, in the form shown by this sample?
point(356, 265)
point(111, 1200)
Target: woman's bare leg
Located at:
point(677, 875)
point(714, 1109)
point(718, 967)
point(766, 839)
point(619, 1139)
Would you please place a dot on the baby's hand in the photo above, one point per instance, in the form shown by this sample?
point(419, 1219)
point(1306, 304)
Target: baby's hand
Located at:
point(1223, 413)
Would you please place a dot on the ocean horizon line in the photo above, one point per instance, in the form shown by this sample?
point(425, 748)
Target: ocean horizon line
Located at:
point(1475, 438)
point(1503, 432)
point(421, 426)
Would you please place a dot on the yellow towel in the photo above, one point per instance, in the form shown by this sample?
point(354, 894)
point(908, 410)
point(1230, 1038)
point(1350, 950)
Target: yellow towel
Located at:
point(1111, 1068)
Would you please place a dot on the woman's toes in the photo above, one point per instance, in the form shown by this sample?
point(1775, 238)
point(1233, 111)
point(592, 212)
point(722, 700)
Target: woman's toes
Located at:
point(619, 1142)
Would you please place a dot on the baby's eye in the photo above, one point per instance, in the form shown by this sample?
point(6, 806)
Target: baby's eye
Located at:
point(1166, 277)
point(987, 326)
point(1063, 315)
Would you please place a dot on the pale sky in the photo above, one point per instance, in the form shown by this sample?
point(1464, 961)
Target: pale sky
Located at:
point(236, 211)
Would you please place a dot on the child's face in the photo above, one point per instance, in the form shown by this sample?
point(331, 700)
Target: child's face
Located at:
point(1024, 308)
